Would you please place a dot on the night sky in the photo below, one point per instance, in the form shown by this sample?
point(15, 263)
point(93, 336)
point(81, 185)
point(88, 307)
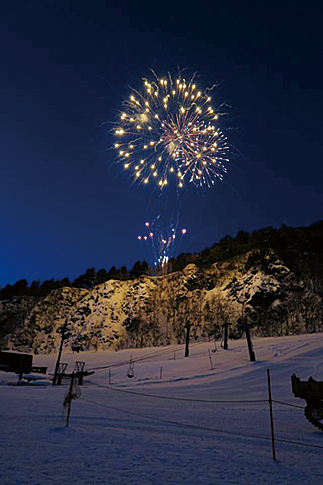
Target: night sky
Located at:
point(65, 69)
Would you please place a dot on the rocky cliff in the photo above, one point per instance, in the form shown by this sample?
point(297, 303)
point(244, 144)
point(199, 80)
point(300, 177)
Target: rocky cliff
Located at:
point(258, 289)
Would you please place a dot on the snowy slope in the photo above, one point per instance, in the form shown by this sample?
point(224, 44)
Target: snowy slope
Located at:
point(116, 436)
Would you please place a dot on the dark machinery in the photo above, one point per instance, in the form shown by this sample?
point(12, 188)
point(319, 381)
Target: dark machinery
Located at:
point(312, 392)
point(19, 363)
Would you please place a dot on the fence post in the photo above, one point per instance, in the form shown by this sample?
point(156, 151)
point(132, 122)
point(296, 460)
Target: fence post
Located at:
point(161, 373)
point(70, 399)
point(109, 376)
point(271, 415)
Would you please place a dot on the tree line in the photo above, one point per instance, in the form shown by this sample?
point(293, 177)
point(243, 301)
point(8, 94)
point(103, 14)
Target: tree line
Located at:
point(87, 280)
point(301, 249)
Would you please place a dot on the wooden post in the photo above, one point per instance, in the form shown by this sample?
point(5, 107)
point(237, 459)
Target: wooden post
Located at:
point(210, 360)
point(109, 376)
point(187, 340)
point(250, 348)
point(161, 373)
point(225, 342)
point(70, 399)
point(271, 416)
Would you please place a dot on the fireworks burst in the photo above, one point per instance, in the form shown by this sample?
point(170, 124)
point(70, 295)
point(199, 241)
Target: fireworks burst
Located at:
point(159, 246)
point(170, 128)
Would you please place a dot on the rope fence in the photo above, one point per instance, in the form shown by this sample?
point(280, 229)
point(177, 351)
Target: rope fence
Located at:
point(205, 428)
point(288, 404)
point(172, 397)
point(167, 421)
point(261, 419)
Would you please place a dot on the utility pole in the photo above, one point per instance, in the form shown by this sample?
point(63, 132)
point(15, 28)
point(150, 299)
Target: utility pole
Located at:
point(59, 353)
point(64, 328)
point(188, 325)
point(250, 347)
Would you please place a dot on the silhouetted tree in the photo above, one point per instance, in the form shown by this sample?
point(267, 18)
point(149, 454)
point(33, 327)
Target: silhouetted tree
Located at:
point(64, 282)
point(20, 288)
point(204, 259)
point(123, 273)
point(6, 292)
point(47, 286)
point(139, 269)
point(112, 273)
point(181, 261)
point(86, 280)
point(101, 276)
point(34, 288)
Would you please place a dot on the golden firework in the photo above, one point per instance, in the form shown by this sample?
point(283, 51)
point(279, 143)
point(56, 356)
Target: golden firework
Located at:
point(169, 130)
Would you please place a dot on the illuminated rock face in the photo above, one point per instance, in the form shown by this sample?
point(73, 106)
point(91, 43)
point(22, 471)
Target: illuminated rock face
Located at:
point(155, 310)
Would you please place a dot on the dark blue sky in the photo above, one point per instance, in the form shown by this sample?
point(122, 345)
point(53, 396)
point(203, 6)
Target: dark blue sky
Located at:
point(65, 67)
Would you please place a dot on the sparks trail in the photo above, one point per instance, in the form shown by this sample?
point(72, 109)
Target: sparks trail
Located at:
point(169, 128)
point(160, 246)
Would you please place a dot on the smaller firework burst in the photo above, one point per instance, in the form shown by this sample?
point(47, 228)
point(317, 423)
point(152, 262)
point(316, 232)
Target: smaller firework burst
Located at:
point(160, 246)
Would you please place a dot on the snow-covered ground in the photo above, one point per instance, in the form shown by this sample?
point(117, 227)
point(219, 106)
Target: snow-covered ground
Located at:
point(168, 424)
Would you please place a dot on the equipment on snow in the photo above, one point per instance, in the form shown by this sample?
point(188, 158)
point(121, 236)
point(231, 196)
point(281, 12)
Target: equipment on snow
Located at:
point(312, 392)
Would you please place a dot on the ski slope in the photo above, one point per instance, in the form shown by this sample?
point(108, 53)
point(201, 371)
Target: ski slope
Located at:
point(176, 421)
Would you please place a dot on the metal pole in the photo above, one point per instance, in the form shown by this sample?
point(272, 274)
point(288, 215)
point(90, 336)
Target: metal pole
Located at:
point(70, 399)
point(271, 416)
